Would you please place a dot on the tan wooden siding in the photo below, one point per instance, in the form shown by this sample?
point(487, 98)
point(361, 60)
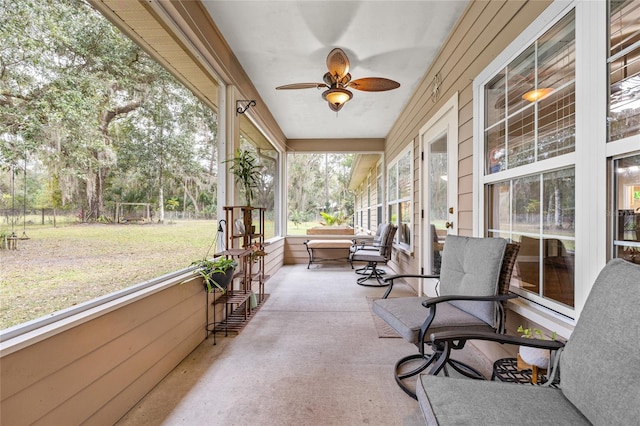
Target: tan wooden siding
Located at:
point(483, 31)
point(95, 372)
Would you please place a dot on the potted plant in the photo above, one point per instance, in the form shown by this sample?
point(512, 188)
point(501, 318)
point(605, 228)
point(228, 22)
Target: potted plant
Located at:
point(534, 356)
point(246, 171)
point(217, 272)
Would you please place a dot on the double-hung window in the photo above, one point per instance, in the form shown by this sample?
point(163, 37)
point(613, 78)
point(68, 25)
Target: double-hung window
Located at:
point(400, 196)
point(623, 119)
point(529, 163)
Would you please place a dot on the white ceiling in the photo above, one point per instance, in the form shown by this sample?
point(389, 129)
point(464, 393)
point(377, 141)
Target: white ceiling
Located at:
point(284, 42)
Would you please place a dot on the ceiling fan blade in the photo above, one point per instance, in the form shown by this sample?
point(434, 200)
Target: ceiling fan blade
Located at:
point(374, 84)
point(302, 86)
point(338, 63)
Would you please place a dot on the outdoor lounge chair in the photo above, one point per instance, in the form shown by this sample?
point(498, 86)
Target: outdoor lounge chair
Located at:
point(474, 284)
point(373, 258)
point(598, 368)
point(373, 245)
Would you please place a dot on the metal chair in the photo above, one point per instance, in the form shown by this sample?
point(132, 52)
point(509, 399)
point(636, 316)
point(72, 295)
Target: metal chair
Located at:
point(373, 245)
point(373, 258)
point(598, 368)
point(473, 284)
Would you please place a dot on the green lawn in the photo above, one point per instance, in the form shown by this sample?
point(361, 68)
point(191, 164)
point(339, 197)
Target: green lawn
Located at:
point(75, 262)
point(60, 267)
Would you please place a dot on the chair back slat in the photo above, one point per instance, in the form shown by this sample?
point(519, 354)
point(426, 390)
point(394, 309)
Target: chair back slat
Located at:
point(387, 241)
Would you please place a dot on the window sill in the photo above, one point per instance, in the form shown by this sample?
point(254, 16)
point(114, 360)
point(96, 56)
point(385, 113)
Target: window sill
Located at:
point(544, 317)
point(403, 248)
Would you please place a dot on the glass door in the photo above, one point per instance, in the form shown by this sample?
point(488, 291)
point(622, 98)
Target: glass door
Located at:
point(439, 143)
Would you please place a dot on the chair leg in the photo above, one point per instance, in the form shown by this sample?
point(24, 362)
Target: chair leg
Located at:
point(366, 270)
point(399, 376)
point(373, 273)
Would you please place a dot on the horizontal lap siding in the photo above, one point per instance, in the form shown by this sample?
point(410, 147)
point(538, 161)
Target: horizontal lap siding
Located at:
point(484, 30)
point(103, 366)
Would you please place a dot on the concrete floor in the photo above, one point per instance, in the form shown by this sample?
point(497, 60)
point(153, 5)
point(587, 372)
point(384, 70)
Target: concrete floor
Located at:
point(310, 356)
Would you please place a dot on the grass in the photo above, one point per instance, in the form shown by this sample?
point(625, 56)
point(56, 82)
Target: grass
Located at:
point(57, 268)
point(60, 267)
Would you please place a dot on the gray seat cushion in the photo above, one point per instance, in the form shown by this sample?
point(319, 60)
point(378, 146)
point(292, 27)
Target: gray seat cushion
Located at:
point(600, 365)
point(406, 315)
point(453, 401)
point(471, 267)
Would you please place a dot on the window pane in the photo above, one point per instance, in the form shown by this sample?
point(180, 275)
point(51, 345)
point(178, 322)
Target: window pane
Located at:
point(627, 203)
point(404, 176)
point(624, 70)
point(494, 146)
point(379, 190)
point(393, 183)
point(521, 138)
point(557, 272)
point(526, 200)
point(405, 223)
point(556, 55)
point(393, 215)
point(556, 122)
point(494, 98)
point(559, 202)
point(499, 204)
point(521, 79)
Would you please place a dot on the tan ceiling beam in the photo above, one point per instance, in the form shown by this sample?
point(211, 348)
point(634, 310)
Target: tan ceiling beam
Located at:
point(336, 145)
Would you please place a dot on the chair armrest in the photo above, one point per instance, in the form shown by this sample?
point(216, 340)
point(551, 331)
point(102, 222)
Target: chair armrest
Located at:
point(393, 277)
point(389, 280)
point(497, 298)
point(451, 336)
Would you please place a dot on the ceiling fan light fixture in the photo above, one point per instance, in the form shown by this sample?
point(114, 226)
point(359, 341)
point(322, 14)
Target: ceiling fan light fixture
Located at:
point(536, 94)
point(337, 97)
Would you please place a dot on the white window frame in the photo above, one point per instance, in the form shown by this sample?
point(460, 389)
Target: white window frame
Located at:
point(589, 158)
point(408, 151)
point(380, 191)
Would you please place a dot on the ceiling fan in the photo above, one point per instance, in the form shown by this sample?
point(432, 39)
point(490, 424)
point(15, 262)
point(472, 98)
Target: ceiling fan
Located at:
point(338, 79)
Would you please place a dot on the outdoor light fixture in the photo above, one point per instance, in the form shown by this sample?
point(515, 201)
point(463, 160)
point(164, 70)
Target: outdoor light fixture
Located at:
point(337, 97)
point(534, 95)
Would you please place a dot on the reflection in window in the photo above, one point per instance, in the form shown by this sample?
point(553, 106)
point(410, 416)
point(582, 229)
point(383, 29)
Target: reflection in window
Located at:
point(624, 69)
point(400, 189)
point(530, 104)
point(626, 198)
point(538, 211)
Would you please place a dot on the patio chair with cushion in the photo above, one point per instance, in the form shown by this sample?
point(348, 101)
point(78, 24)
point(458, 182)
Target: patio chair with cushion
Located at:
point(373, 245)
point(473, 282)
point(598, 368)
point(374, 258)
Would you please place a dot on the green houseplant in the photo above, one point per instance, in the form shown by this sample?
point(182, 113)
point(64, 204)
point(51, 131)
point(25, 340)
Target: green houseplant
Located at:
point(217, 272)
point(246, 171)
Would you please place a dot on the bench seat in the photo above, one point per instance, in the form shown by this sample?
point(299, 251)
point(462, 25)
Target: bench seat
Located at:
point(327, 245)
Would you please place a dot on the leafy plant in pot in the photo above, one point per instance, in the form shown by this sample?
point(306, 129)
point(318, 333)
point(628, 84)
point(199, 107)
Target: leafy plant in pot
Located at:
point(246, 171)
point(534, 356)
point(216, 273)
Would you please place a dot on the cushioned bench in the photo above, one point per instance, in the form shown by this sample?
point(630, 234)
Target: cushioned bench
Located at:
point(327, 246)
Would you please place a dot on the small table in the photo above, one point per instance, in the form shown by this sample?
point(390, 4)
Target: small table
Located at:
point(506, 370)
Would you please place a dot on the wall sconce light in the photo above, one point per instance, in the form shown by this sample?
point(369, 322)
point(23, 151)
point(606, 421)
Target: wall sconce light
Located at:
point(337, 97)
point(240, 109)
point(534, 95)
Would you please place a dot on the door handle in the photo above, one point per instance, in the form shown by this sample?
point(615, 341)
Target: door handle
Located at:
point(448, 225)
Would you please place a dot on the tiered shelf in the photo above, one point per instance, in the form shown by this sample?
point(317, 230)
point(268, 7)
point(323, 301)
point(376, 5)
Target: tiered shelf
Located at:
point(245, 238)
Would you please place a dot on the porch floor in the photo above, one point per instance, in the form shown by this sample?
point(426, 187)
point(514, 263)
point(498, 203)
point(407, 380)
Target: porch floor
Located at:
point(310, 356)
